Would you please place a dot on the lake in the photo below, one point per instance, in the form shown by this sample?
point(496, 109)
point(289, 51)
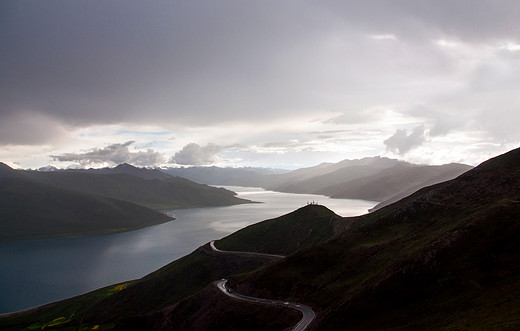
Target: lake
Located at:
point(36, 272)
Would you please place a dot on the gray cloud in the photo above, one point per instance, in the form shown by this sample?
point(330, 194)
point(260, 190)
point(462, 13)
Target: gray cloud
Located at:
point(194, 154)
point(29, 128)
point(89, 62)
point(480, 20)
point(183, 66)
point(401, 142)
point(113, 154)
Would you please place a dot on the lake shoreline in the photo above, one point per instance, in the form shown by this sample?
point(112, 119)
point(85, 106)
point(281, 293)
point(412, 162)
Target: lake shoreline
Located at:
point(44, 271)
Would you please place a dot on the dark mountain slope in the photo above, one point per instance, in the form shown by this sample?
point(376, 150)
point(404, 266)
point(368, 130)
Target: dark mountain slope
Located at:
point(447, 256)
point(128, 169)
point(288, 233)
point(124, 184)
point(65, 203)
point(431, 177)
point(31, 210)
point(5, 170)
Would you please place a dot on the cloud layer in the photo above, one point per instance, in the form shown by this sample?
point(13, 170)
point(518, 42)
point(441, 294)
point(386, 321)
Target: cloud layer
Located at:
point(113, 155)
point(194, 154)
point(401, 142)
point(250, 74)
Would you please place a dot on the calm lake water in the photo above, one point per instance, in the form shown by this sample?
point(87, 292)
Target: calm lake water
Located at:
point(41, 271)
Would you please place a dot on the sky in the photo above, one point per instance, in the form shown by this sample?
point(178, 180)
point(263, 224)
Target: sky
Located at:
point(283, 84)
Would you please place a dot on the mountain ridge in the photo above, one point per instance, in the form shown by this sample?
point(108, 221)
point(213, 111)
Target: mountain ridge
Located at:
point(33, 203)
point(147, 187)
point(445, 257)
point(412, 252)
point(368, 178)
point(31, 210)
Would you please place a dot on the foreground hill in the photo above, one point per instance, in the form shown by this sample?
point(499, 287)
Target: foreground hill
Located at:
point(446, 257)
point(146, 303)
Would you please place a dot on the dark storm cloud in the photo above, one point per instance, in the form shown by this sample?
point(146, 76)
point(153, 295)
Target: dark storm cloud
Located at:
point(194, 154)
point(113, 154)
point(197, 62)
point(178, 64)
point(29, 128)
point(401, 142)
point(98, 62)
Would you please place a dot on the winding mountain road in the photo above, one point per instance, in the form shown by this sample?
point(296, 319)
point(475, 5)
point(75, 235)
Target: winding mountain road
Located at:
point(245, 254)
point(308, 313)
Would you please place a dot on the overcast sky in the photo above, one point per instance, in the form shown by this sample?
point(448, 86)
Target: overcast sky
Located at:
point(257, 83)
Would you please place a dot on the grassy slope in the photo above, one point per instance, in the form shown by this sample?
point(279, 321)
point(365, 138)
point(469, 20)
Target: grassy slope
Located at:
point(33, 210)
point(448, 256)
point(445, 173)
point(174, 283)
point(286, 234)
point(160, 289)
point(210, 310)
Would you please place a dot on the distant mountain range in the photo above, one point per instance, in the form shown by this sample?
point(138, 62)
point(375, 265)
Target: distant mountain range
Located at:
point(37, 204)
point(246, 176)
point(372, 178)
point(127, 169)
point(445, 257)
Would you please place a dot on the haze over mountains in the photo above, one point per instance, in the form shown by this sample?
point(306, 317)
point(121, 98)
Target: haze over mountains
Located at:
point(69, 203)
point(372, 178)
point(446, 257)
point(61, 211)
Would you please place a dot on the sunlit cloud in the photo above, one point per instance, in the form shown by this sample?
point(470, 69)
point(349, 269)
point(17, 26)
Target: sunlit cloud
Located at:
point(113, 154)
point(446, 43)
point(383, 37)
point(510, 46)
point(194, 154)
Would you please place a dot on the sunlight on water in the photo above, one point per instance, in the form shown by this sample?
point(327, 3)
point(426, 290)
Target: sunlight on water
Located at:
point(273, 204)
point(227, 227)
